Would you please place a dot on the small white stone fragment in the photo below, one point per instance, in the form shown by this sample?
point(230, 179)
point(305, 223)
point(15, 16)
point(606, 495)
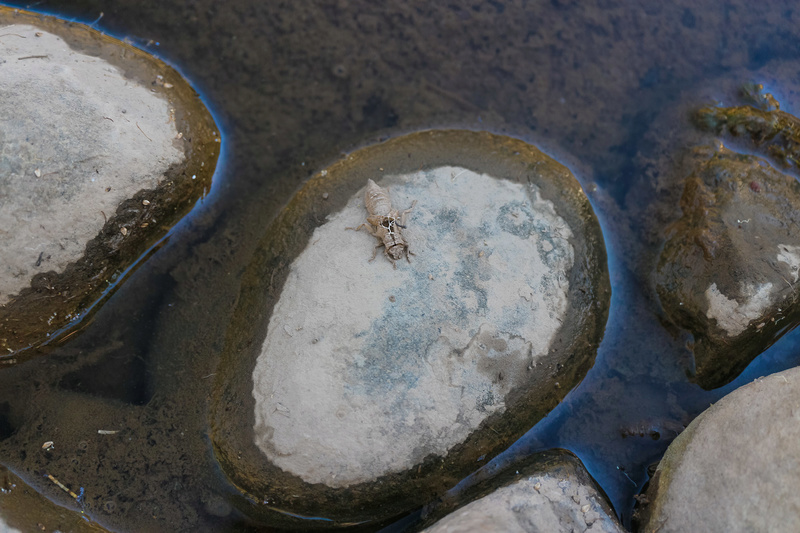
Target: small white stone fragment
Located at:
point(790, 255)
point(732, 316)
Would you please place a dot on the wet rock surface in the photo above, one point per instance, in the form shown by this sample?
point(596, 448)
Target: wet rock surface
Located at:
point(729, 271)
point(378, 383)
point(735, 467)
point(553, 493)
point(102, 149)
point(361, 358)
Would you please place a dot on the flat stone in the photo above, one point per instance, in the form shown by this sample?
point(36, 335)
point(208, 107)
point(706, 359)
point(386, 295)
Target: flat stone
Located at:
point(361, 358)
point(368, 371)
point(102, 148)
point(554, 495)
point(729, 271)
point(735, 468)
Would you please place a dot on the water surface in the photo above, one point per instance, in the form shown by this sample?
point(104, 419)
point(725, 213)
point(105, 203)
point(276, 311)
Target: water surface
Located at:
point(596, 84)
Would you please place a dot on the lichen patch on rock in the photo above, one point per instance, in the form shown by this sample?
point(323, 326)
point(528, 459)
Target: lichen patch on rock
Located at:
point(352, 385)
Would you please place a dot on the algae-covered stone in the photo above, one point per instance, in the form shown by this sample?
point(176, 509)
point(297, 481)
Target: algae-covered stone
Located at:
point(735, 468)
point(729, 271)
point(552, 493)
point(775, 131)
point(380, 386)
point(102, 149)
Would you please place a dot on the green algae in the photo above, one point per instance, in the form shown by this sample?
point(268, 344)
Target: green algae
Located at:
point(770, 129)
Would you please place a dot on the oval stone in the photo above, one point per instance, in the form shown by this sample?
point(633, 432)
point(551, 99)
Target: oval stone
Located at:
point(380, 382)
point(102, 149)
point(729, 270)
point(735, 466)
point(550, 491)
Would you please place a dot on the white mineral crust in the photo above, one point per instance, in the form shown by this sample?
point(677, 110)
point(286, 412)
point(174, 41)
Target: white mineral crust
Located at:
point(351, 385)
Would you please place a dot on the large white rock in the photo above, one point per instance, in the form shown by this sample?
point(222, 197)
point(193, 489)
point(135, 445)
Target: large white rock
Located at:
point(77, 137)
point(367, 369)
point(736, 467)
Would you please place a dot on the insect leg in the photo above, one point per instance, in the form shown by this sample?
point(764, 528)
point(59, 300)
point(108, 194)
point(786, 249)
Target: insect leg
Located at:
point(404, 213)
point(372, 231)
point(358, 228)
point(375, 251)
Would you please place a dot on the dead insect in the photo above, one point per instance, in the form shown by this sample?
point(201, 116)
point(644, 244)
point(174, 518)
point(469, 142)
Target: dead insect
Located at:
point(384, 223)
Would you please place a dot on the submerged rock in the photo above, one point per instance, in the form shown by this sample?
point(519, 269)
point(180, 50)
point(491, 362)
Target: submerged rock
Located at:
point(735, 467)
point(554, 493)
point(382, 386)
point(775, 131)
point(102, 149)
point(729, 271)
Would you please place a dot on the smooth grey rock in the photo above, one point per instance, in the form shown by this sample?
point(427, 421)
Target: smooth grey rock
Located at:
point(76, 139)
point(736, 467)
point(558, 496)
point(102, 148)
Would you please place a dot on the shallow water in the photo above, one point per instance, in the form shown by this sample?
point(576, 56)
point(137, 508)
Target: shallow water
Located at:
point(294, 84)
